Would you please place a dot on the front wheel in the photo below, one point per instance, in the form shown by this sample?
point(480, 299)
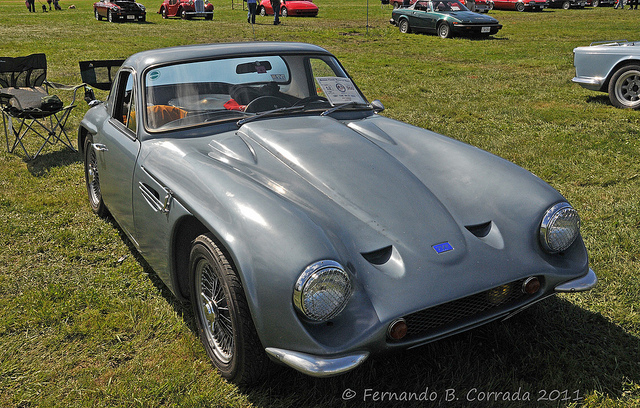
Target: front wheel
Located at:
point(444, 31)
point(404, 27)
point(109, 16)
point(284, 12)
point(262, 11)
point(595, 3)
point(519, 6)
point(222, 314)
point(566, 5)
point(624, 87)
point(98, 16)
point(164, 13)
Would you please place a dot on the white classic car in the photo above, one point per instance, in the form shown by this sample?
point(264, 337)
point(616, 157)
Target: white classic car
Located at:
point(612, 67)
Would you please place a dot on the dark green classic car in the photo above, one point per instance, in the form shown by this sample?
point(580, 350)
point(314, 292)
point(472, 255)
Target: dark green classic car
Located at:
point(443, 17)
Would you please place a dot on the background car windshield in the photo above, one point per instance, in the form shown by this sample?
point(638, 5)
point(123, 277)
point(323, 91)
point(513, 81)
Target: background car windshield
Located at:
point(194, 93)
point(445, 5)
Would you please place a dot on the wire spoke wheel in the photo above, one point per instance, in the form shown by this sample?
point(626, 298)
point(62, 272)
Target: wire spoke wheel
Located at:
point(222, 314)
point(214, 307)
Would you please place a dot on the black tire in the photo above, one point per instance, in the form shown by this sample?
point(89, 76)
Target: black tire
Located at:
point(404, 26)
point(164, 13)
point(92, 179)
point(109, 16)
point(262, 11)
point(284, 12)
point(520, 6)
point(98, 16)
point(396, 5)
point(595, 3)
point(208, 17)
point(566, 5)
point(444, 31)
point(183, 14)
point(222, 314)
point(624, 87)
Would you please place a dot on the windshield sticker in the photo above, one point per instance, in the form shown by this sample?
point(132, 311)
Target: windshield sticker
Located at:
point(278, 77)
point(339, 90)
point(153, 75)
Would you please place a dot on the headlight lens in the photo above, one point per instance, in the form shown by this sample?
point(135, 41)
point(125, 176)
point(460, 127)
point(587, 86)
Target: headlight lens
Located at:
point(322, 291)
point(559, 228)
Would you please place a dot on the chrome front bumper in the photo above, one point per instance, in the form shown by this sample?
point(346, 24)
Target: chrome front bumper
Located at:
point(582, 284)
point(316, 366)
point(594, 84)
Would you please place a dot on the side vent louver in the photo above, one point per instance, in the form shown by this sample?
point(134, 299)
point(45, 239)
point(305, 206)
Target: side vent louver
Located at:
point(480, 230)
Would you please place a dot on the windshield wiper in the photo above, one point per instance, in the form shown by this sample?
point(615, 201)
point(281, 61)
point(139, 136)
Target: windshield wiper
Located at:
point(269, 113)
point(341, 106)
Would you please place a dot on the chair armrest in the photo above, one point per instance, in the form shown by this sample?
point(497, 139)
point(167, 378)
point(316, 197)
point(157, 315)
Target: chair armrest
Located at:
point(64, 87)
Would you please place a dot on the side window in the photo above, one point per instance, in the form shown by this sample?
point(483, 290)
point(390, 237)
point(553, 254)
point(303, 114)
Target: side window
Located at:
point(124, 111)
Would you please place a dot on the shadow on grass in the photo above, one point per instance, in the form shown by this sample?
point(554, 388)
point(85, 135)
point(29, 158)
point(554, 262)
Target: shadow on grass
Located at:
point(551, 354)
point(602, 99)
point(41, 165)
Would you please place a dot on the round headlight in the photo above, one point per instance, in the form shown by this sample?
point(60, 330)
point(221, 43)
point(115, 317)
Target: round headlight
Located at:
point(322, 290)
point(559, 228)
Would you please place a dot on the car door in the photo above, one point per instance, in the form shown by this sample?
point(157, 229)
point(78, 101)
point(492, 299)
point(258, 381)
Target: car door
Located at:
point(117, 147)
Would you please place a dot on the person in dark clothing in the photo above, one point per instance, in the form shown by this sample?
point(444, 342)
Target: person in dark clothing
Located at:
point(633, 4)
point(275, 4)
point(32, 6)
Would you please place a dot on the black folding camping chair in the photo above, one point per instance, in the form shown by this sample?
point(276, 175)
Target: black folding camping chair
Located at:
point(27, 105)
point(99, 73)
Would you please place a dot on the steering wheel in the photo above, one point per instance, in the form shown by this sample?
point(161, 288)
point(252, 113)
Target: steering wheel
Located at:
point(310, 99)
point(265, 103)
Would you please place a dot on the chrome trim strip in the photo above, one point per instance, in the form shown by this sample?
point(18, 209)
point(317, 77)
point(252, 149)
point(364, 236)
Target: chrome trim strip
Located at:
point(316, 366)
point(582, 284)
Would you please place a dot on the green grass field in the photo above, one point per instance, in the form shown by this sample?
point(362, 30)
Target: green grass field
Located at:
point(84, 322)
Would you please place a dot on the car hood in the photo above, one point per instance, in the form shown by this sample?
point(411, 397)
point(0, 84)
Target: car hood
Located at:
point(471, 17)
point(407, 208)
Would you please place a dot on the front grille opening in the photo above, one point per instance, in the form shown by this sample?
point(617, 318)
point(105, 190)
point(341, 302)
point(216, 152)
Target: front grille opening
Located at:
point(501, 297)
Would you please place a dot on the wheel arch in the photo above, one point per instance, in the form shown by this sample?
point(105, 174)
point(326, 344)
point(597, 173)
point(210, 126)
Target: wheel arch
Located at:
point(627, 61)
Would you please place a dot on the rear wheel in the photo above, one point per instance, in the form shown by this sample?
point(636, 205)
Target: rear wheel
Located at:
point(109, 16)
point(566, 5)
point(222, 314)
point(92, 179)
point(595, 3)
point(263, 11)
point(624, 87)
point(519, 6)
point(98, 16)
point(164, 13)
point(404, 27)
point(284, 12)
point(444, 31)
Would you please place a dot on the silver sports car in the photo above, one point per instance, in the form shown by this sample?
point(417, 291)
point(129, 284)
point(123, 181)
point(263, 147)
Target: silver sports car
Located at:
point(304, 227)
point(612, 67)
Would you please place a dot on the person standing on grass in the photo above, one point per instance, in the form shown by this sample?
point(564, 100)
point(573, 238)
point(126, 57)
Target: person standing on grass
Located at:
point(275, 4)
point(31, 5)
point(251, 16)
point(633, 4)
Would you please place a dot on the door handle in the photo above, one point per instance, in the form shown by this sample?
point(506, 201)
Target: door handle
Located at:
point(99, 147)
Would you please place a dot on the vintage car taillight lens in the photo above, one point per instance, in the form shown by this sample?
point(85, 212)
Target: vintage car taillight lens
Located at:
point(322, 291)
point(560, 226)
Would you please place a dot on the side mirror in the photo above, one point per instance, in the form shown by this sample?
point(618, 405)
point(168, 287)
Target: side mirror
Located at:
point(377, 106)
point(90, 96)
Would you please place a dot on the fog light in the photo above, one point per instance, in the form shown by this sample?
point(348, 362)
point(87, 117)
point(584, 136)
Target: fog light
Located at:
point(397, 329)
point(531, 285)
point(498, 295)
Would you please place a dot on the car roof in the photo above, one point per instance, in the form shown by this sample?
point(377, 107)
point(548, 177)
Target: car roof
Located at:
point(145, 59)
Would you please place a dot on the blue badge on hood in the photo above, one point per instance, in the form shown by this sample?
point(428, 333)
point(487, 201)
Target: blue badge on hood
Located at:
point(443, 247)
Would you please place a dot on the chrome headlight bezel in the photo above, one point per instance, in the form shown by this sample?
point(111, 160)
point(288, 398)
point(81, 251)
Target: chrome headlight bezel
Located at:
point(322, 291)
point(559, 228)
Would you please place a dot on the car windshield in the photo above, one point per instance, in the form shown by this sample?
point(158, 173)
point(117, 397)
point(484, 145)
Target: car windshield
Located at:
point(449, 5)
point(193, 93)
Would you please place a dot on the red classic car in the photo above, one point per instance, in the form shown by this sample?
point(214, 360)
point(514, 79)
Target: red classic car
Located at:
point(186, 9)
point(119, 10)
point(520, 5)
point(301, 8)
